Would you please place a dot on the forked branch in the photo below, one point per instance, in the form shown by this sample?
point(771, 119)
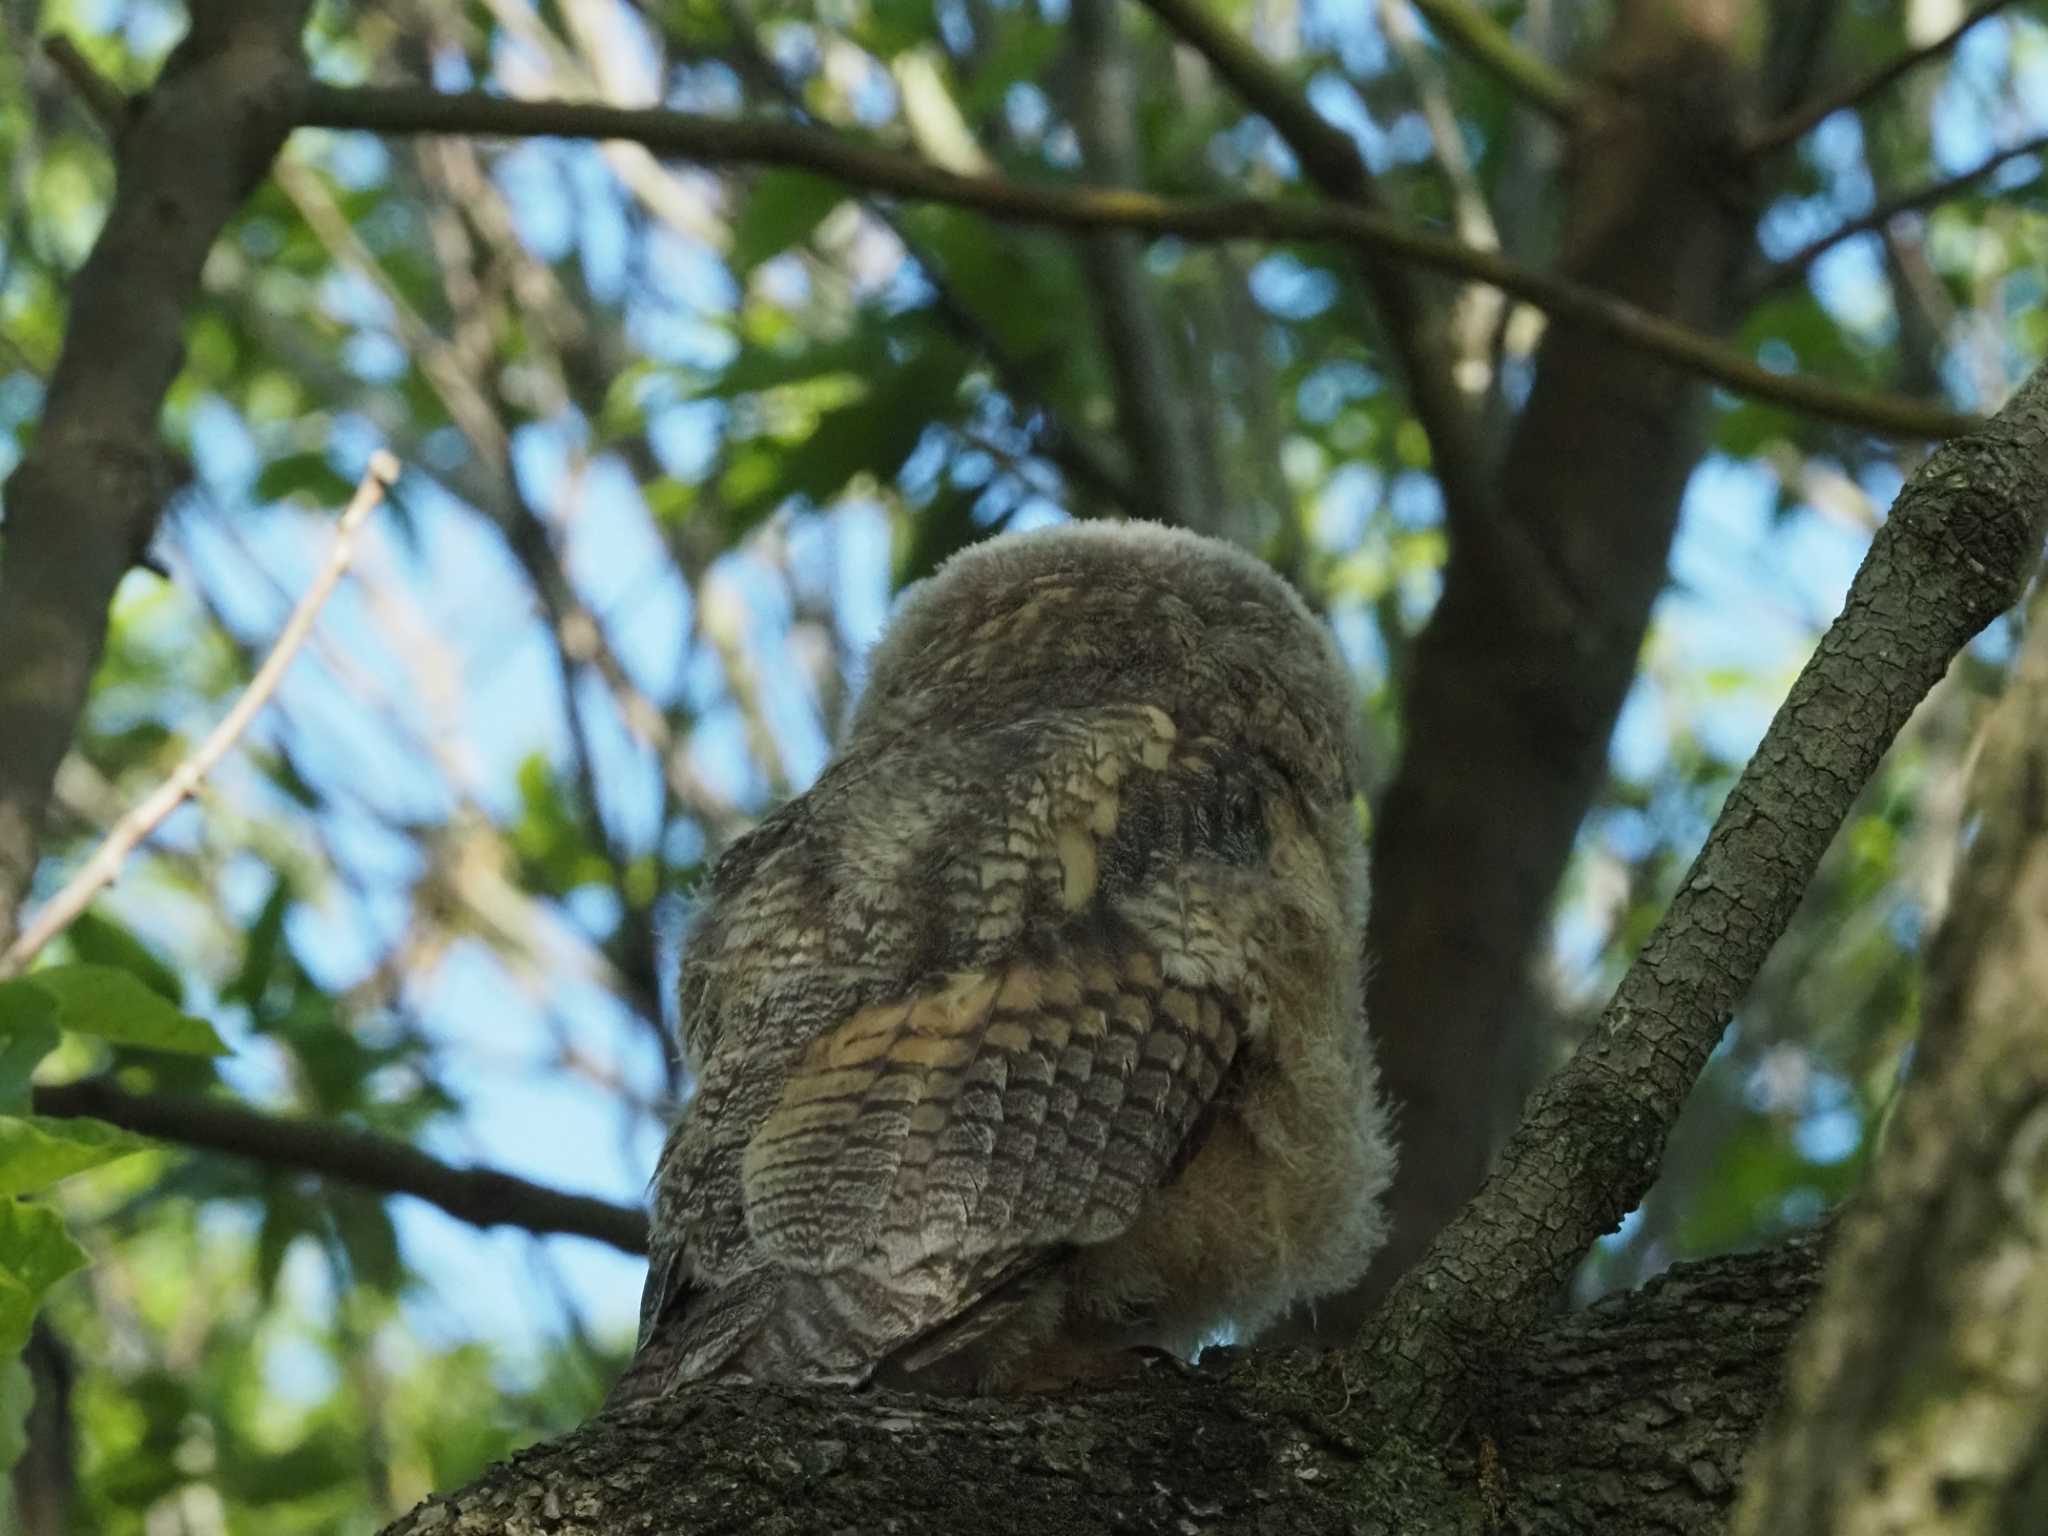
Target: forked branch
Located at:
point(1795, 124)
point(1793, 269)
point(1951, 557)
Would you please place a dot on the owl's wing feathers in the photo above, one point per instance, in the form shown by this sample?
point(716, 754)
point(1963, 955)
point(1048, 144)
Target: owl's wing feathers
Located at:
point(937, 1143)
point(1003, 1110)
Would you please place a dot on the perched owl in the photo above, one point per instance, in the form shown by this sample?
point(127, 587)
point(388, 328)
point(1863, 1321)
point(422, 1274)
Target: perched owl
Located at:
point(1033, 1030)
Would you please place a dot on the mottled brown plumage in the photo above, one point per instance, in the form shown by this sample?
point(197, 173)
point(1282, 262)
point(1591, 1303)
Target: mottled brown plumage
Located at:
point(1033, 1029)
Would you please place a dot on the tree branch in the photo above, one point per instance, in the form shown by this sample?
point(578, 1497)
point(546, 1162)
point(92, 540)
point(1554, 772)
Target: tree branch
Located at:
point(1469, 29)
point(82, 503)
point(1634, 1415)
point(105, 100)
point(1154, 404)
point(1784, 273)
point(104, 867)
point(1473, 330)
point(1776, 135)
point(1411, 317)
point(726, 141)
point(1960, 539)
point(362, 1158)
point(1086, 462)
point(1511, 691)
point(1915, 1396)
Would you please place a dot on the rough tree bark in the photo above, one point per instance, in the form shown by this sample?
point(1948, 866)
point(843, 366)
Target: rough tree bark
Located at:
point(1918, 1403)
point(1632, 1416)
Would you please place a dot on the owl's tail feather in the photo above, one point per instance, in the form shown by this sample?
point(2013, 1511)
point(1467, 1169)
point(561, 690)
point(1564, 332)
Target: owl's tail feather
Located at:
point(698, 1334)
point(934, 1361)
point(837, 1329)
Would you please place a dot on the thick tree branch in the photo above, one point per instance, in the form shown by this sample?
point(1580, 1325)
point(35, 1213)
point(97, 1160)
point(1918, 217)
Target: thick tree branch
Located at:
point(82, 504)
point(1795, 124)
point(1411, 315)
point(1512, 691)
point(726, 141)
point(362, 1158)
point(1918, 1394)
point(1470, 30)
point(1793, 268)
point(1960, 539)
point(1633, 1415)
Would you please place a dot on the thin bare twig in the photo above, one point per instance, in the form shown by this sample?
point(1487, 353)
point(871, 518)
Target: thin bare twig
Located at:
point(1469, 29)
point(106, 101)
point(1774, 136)
point(1154, 406)
point(715, 140)
point(1477, 315)
point(483, 1196)
point(83, 502)
point(1409, 314)
point(1087, 462)
point(104, 866)
point(1784, 273)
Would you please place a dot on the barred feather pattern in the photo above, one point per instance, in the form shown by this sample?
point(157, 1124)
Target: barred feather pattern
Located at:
point(1033, 1029)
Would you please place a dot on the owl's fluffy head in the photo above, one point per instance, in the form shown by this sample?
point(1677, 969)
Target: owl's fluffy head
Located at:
point(1114, 613)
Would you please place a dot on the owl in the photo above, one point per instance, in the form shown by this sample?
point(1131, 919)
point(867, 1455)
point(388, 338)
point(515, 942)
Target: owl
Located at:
point(1032, 1032)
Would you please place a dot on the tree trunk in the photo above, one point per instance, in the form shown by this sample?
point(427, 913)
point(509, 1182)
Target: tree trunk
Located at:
point(1517, 681)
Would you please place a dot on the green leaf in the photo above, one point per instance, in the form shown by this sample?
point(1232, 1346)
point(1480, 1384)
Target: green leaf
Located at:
point(303, 477)
point(890, 26)
point(1024, 49)
point(761, 367)
point(874, 435)
point(260, 955)
point(1024, 289)
point(318, 1463)
point(287, 1216)
point(98, 940)
point(554, 853)
point(113, 1005)
point(369, 1239)
point(38, 1150)
point(17, 1396)
point(35, 1253)
point(28, 1033)
point(782, 208)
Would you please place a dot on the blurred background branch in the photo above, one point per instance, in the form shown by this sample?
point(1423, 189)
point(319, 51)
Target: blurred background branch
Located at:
point(482, 1196)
